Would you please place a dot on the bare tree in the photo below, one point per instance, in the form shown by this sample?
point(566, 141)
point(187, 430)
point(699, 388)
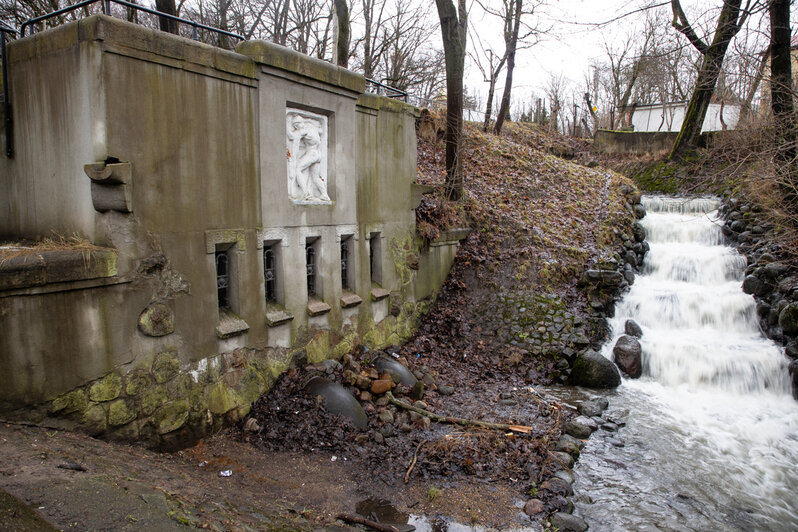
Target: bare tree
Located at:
point(168, 7)
point(731, 19)
point(342, 33)
point(454, 24)
point(781, 95)
point(513, 12)
point(490, 64)
point(555, 92)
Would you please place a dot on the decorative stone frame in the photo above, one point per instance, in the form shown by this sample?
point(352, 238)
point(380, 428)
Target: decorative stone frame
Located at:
point(232, 241)
point(279, 239)
point(349, 297)
point(307, 148)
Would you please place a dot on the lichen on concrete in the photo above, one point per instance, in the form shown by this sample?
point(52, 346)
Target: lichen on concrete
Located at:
point(106, 389)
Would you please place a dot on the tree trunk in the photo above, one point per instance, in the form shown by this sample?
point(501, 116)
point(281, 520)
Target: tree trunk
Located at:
point(489, 106)
point(453, 29)
point(168, 7)
point(342, 40)
point(512, 45)
point(781, 97)
point(728, 26)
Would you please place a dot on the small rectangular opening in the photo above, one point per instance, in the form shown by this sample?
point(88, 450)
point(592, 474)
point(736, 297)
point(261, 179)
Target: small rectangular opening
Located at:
point(223, 285)
point(375, 258)
point(272, 273)
point(347, 273)
point(312, 249)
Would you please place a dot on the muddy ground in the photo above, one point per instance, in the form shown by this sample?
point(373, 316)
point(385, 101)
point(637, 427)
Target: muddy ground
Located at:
point(299, 470)
point(538, 221)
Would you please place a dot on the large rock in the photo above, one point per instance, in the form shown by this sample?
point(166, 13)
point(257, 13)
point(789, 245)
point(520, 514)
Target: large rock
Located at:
point(627, 353)
point(788, 319)
point(581, 427)
point(567, 522)
point(594, 371)
point(638, 231)
point(755, 286)
point(633, 329)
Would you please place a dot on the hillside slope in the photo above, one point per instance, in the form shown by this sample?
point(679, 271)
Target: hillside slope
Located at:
point(539, 221)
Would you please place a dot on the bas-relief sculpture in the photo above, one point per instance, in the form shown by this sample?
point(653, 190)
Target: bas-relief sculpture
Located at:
point(306, 145)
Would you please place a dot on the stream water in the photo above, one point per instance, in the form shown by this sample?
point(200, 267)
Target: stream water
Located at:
point(708, 437)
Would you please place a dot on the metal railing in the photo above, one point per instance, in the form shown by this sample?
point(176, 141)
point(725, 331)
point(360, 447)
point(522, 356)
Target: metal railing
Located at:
point(9, 130)
point(375, 87)
point(106, 9)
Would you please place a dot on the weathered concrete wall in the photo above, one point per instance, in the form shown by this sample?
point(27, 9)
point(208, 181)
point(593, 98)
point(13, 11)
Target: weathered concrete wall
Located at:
point(607, 141)
point(195, 141)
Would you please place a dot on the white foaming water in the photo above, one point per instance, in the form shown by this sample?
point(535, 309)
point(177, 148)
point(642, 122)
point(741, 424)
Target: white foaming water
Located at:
point(712, 430)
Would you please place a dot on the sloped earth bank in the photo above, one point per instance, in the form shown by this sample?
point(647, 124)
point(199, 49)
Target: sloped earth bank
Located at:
point(511, 317)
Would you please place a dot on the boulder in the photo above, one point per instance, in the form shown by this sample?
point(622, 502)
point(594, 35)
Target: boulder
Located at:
point(633, 329)
point(594, 371)
point(558, 486)
point(567, 522)
point(581, 427)
point(628, 357)
point(594, 407)
point(638, 231)
point(788, 319)
point(640, 211)
point(533, 507)
point(755, 286)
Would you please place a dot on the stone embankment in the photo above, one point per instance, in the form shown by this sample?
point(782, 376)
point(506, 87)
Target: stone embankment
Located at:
point(604, 285)
point(771, 276)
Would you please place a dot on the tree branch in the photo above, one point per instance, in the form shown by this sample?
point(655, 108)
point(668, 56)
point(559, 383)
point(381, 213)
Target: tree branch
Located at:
point(681, 23)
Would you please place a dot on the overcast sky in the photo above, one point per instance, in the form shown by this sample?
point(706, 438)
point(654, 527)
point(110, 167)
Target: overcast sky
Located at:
point(574, 40)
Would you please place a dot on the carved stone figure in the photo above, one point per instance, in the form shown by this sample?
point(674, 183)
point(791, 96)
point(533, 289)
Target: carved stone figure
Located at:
point(306, 140)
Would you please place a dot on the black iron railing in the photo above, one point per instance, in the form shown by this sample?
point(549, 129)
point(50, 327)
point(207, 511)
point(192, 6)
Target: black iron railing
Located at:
point(375, 87)
point(4, 32)
point(106, 9)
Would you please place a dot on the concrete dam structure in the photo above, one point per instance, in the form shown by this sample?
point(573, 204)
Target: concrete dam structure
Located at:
point(213, 215)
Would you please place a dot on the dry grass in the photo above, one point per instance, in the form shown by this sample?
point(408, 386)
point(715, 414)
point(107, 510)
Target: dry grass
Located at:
point(746, 163)
point(55, 242)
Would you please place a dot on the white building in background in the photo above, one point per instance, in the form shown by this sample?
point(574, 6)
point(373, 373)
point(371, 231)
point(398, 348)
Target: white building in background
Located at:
point(669, 117)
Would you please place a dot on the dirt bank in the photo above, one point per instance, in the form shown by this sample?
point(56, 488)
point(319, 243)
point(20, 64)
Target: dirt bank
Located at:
point(512, 315)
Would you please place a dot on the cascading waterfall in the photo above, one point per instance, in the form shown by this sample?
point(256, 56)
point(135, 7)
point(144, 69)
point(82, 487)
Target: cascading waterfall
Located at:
point(711, 431)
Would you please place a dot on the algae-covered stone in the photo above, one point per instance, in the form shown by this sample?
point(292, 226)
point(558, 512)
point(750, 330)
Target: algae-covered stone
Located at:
point(788, 319)
point(94, 419)
point(221, 399)
point(594, 371)
point(166, 366)
point(156, 320)
point(152, 398)
point(171, 416)
point(250, 386)
point(180, 386)
point(120, 412)
point(106, 389)
point(138, 381)
point(74, 401)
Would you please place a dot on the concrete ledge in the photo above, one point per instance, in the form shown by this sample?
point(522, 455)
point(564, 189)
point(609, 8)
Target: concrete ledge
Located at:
point(113, 31)
point(452, 236)
point(378, 293)
point(230, 325)
point(56, 266)
point(277, 56)
point(277, 315)
point(383, 103)
point(317, 308)
point(349, 299)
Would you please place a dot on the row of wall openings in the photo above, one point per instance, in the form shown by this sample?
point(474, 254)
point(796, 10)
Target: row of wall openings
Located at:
point(272, 271)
